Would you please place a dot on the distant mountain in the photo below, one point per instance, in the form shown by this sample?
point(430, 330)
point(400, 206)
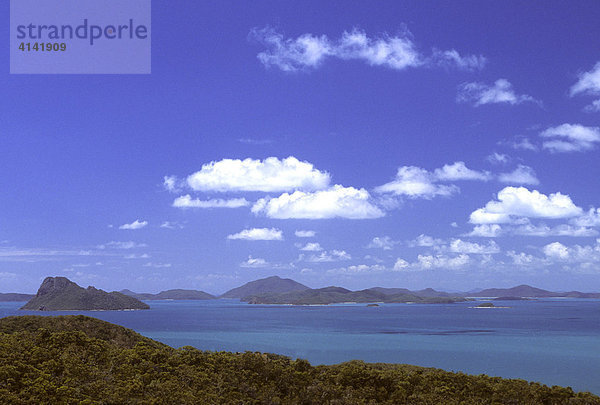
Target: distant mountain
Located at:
point(528, 291)
point(60, 293)
point(336, 295)
point(269, 285)
point(15, 297)
point(176, 294)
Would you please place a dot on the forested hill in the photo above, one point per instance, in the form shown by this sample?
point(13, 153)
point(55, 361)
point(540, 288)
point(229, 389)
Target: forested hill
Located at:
point(77, 359)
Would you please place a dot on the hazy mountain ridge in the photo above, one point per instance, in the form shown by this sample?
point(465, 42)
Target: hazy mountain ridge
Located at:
point(269, 285)
point(15, 297)
point(174, 294)
point(336, 295)
point(60, 293)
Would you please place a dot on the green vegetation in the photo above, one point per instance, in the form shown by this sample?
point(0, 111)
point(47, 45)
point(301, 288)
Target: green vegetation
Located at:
point(333, 295)
point(486, 305)
point(59, 293)
point(82, 360)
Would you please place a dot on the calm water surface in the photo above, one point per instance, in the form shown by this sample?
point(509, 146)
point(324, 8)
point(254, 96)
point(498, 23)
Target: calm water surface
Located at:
point(553, 341)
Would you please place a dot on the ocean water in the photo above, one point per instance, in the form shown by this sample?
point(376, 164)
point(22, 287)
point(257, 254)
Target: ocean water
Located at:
point(553, 341)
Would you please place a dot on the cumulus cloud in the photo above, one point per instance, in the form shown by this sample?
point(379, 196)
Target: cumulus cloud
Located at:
point(570, 138)
point(459, 171)
point(521, 175)
point(186, 201)
point(357, 269)
point(269, 175)
point(523, 144)
point(258, 234)
point(590, 218)
point(500, 92)
point(305, 234)
point(171, 183)
point(309, 51)
point(383, 242)
point(443, 261)
point(254, 262)
point(425, 241)
point(589, 84)
point(461, 246)
point(415, 182)
point(556, 250)
point(327, 256)
point(401, 264)
point(137, 224)
point(311, 247)
point(335, 202)
point(486, 231)
point(519, 202)
point(559, 230)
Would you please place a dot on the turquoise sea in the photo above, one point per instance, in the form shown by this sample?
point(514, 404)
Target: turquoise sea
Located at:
point(553, 341)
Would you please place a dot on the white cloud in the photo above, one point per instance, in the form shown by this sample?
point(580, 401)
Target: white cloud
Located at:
point(523, 144)
point(171, 183)
point(121, 245)
point(461, 246)
point(383, 242)
point(186, 201)
point(328, 256)
point(401, 264)
point(459, 171)
point(254, 262)
point(515, 202)
point(357, 269)
point(486, 231)
point(171, 225)
point(394, 52)
point(590, 218)
point(442, 261)
point(158, 265)
point(269, 175)
point(556, 250)
point(452, 58)
point(559, 230)
point(305, 234)
point(481, 93)
point(521, 258)
point(134, 256)
point(415, 182)
point(594, 107)
point(571, 138)
point(137, 224)
point(335, 202)
point(258, 234)
point(498, 158)
point(312, 247)
point(521, 175)
point(425, 241)
point(589, 83)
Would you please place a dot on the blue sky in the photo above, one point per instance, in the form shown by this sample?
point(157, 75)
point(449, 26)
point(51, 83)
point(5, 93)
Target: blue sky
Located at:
point(415, 145)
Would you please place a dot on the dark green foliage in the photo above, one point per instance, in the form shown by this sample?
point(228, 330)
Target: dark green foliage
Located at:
point(59, 293)
point(486, 305)
point(82, 360)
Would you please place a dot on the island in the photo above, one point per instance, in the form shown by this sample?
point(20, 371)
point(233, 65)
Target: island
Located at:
point(269, 285)
point(77, 359)
point(61, 294)
point(337, 295)
point(175, 294)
